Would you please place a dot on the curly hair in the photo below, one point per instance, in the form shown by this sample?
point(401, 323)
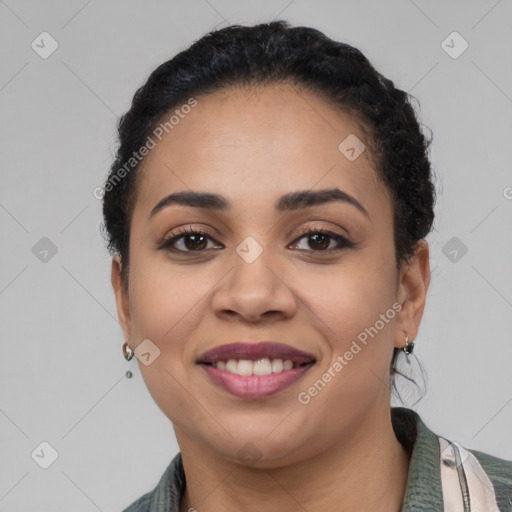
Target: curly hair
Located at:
point(272, 53)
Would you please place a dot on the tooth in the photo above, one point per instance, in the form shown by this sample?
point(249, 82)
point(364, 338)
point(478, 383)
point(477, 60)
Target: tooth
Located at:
point(245, 367)
point(277, 365)
point(232, 366)
point(262, 367)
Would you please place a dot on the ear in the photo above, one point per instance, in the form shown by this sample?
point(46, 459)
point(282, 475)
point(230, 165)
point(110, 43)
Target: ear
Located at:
point(121, 295)
point(413, 284)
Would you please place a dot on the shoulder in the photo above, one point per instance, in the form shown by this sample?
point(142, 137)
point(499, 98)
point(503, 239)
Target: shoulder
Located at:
point(166, 496)
point(499, 472)
point(444, 474)
point(143, 504)
point(483, 478)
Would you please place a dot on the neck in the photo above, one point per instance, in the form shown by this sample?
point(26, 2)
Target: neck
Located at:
point(366, 472)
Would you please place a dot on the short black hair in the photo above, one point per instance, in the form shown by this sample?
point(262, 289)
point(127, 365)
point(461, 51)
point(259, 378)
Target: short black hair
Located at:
point(273, 53)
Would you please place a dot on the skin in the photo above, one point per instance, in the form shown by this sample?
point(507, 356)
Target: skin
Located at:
point(339, 451)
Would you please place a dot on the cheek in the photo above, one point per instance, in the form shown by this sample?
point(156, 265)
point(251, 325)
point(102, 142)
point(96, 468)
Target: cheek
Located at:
point(358, 324)
point(165, 304)
point(166, 308)
point(347, 298)
point(167, 384)
point(352, 308)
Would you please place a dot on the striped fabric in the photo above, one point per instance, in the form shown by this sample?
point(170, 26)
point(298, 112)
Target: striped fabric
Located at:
point(443, 476)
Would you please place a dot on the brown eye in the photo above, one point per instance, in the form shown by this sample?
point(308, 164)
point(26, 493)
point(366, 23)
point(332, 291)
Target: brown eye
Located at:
point(196, 241)
point(319, 240)
point(193, 240)
point(187, 240)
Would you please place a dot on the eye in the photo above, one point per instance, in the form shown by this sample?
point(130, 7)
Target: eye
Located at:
point(320, 240)
point(194, 240)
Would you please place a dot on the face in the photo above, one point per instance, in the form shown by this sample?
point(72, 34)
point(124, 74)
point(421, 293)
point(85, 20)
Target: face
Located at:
point(316, 274)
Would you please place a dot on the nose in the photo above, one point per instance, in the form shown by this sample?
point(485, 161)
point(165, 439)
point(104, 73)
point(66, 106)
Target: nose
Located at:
point(255, 291)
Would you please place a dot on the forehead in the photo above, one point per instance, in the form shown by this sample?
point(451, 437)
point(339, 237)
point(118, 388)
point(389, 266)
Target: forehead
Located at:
point(253, 145)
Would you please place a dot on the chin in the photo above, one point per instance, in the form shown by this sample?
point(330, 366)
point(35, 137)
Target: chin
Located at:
point(258, 451)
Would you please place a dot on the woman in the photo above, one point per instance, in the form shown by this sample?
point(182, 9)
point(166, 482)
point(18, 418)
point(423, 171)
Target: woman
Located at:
point(267, 213)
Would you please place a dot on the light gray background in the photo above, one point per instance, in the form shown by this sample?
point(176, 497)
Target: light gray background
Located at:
point(62, 371)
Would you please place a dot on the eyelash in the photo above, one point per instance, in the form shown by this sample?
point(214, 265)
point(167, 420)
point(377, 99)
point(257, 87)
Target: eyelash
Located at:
point(167, 243)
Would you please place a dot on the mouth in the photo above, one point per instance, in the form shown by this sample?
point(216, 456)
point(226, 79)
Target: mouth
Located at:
point(255, 370)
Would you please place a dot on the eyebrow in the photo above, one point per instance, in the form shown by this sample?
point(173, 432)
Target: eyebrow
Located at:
point(288, 202)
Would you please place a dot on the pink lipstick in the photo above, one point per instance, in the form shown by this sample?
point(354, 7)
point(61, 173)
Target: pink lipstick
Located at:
point(255, 370)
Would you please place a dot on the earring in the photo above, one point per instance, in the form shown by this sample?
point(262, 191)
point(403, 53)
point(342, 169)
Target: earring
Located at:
point(128, 352)
point(408, 348)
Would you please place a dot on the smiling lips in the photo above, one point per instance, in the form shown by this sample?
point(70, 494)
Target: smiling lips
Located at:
point(255, 370)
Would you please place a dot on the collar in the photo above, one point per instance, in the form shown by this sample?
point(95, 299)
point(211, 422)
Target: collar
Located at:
point(423, 486)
